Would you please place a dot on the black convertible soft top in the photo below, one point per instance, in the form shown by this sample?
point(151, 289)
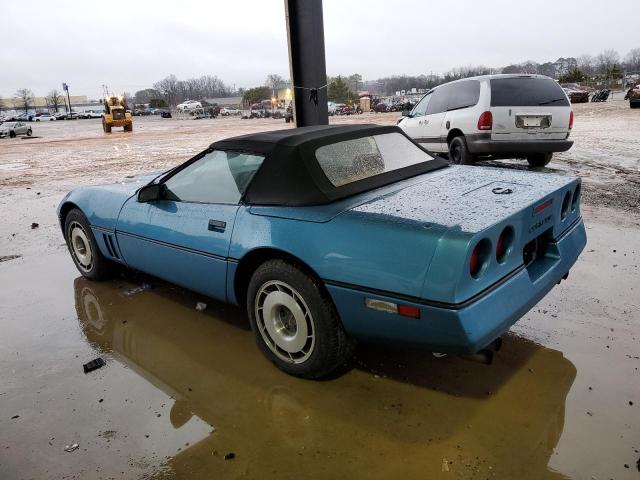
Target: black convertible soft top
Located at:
point(290, 174)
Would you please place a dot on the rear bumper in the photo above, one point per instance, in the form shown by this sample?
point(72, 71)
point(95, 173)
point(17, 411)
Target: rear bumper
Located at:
point(486, 146)
point(466, 327)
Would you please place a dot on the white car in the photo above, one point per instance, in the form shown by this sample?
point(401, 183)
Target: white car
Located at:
point(43, 117)
point(225, 111)
point(331, 108)
point(496, 116)
point(189, 105)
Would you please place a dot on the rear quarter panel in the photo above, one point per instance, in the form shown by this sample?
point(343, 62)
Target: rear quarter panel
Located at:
point(354, 247)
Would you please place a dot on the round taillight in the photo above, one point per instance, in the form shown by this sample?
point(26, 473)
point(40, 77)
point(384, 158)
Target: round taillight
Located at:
point(575, 200)
point(479, 257)
point(504, 243)
point(565, 204)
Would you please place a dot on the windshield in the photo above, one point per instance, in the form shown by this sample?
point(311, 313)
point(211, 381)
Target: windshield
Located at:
point(353, 160)
point(527, 92)
point(8, 125)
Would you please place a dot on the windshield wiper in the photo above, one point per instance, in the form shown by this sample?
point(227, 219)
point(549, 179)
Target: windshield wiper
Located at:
point(552, 101)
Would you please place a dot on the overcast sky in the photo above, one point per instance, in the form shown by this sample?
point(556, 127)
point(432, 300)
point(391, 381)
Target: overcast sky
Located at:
point(130, 44)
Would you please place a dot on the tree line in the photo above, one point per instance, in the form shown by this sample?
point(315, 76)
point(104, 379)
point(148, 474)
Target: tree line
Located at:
point(171, 91)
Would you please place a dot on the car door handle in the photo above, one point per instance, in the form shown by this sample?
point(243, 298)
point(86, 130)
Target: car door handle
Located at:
point(217, 225)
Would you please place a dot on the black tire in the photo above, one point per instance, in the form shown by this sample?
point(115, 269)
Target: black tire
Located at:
point(459, 153)
point(330, 346)
point(29, 132)
point(12, 134)
point(98, 267)
point(539, 159)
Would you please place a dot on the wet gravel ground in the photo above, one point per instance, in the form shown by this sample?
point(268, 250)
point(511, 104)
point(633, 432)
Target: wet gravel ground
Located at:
point(182, 389)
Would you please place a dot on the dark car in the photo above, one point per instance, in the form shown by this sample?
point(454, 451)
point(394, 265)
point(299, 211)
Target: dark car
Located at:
point(380, 107)
point(634, 97)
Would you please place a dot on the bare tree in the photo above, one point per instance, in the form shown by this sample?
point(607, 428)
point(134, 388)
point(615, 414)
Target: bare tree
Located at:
point(24, 98)
point(632, 59)
point(169, 88)
point(128, 99)
point(144, 96)
point(587, 64)
point(54, 99)
point(607, 60)
point(274, 81)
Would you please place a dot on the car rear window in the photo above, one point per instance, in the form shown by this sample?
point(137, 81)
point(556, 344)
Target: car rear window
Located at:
point(527, 92)
point(360, 158)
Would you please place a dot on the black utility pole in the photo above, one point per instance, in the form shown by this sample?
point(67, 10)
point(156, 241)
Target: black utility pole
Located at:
point(305, 31)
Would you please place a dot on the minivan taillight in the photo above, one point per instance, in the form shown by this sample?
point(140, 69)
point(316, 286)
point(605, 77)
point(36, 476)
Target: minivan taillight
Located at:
point(485, 122)
point(571, 120)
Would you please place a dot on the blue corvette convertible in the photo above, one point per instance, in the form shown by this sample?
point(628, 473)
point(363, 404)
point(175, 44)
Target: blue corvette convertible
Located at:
point(335, 233)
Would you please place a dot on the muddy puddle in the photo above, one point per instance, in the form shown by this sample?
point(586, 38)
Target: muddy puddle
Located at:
point(182, 389)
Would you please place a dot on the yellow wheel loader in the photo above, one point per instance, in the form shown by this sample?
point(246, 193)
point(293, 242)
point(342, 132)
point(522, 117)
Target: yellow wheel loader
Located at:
point(116, 115)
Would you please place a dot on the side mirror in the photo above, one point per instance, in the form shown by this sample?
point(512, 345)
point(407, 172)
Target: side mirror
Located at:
point(406, 113)
point(150, 193)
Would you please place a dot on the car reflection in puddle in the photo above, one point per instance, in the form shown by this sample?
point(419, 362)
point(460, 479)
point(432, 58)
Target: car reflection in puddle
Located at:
point(395, 412)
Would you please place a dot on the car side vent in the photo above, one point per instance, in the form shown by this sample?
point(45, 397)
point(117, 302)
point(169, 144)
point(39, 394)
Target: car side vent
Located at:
point(111, 246)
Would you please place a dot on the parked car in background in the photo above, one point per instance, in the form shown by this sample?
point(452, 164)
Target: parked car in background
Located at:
point(380, 107)
point(60, 115)
point(189, 105)
point(43, 117)
point(576, 94)
point(331, 108)
point(13, 129)
point(493, 116)
point(275, 222)
point(25, 117)
point(226, 111)
point(633, 95)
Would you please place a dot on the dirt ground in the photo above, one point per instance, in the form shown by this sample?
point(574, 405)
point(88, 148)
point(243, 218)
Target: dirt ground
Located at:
point(182, 389)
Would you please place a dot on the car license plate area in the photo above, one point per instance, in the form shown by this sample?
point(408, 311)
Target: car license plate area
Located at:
point(533, 121)
point(540, 254)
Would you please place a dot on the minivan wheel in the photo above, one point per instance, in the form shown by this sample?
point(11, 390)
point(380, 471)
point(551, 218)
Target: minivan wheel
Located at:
point(295, 323)
point(539, 159)
point(459, 153)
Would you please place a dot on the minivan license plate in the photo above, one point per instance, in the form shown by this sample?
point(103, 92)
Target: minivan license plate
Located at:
point(532, 121)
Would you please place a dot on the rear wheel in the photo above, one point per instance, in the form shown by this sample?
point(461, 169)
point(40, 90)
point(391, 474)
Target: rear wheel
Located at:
point(539, 159)
point(459, 153)
point(29, 132)
point(295, 323)
point(106, 127)
point(83, 247)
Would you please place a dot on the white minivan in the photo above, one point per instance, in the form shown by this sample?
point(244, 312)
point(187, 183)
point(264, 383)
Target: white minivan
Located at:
point(493, 116)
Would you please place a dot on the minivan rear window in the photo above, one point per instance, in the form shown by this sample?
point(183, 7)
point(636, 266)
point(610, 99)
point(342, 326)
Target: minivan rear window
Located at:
point(527, 92)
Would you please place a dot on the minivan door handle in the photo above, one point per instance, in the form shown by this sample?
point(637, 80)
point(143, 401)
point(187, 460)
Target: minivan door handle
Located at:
point(217, 225)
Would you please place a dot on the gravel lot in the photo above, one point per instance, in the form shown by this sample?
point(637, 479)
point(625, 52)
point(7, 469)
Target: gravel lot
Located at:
point(182, 388)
